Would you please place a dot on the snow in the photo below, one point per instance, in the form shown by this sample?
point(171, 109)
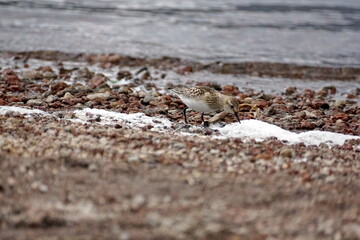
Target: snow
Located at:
point(247, 129)
point(259, 131)
point(25, 111)
point(134, 120)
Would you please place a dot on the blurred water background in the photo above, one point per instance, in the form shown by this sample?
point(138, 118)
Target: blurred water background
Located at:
point(311, 32)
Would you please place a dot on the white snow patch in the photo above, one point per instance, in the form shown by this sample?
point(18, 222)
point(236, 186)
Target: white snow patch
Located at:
point(259, 131)
point(135, 120)
point(247, 129)
point(25, 111)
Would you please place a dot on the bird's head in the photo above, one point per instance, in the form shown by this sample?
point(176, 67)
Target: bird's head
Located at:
point(232, 106)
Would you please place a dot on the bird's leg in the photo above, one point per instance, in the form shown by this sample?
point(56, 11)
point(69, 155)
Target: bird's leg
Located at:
point(237, 116)
point(206, 123)
point(184, 112)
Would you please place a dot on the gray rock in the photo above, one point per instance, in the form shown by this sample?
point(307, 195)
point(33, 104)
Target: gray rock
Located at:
point(34, 102)
point(51, 99)
point(105, 95)
point(32, 74)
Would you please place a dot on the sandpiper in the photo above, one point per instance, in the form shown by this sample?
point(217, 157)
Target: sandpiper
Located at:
point(205, 100)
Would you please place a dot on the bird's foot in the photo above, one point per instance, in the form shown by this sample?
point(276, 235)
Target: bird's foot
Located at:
point(206, 124)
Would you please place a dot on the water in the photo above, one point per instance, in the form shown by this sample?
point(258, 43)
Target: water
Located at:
point(312, 32)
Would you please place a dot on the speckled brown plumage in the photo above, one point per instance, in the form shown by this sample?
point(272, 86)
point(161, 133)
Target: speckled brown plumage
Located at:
point(205, 99)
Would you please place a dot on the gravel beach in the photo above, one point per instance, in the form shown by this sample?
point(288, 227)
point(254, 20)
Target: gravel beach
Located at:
point(73, 167)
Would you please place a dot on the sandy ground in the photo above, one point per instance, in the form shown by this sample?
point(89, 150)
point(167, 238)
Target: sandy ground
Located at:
point(66, 180)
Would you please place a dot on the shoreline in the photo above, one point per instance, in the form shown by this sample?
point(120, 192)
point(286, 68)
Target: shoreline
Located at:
point(262, 69)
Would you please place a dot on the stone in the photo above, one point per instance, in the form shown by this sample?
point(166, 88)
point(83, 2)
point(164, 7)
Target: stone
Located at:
point(104, 95)
point(34, 102)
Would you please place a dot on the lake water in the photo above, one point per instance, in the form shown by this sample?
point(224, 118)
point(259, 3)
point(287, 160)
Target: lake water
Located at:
point(312, 32)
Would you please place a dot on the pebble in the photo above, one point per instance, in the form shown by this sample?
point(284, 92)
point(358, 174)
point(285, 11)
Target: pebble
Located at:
point(104, 95)
point(32, 74)
point(51, 98)
point(137, 202)
point(34, 102)
point(67, 96)
point(43, 188)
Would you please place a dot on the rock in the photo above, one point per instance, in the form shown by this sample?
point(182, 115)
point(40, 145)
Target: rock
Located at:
point(248, 100)
point(290, 91)
point(59, 86)
point(316, 104)
point(307, 125)
point(51, 98)
point(340, 104)
point(32, 74)
point(230, 90)
point(125, 90)
point(43, 188)
point(147, 99)
point(287, 152)
point(34, 102)
point(261, 103)
point(104, 95)
point(83, 74)
point(67, 96)
point(329, 89)
point(145, 76)
point(330, 179)
point(137, 202)
point(11, 181)
point(44, 69)
point(49, 75)
point(11, 78)
point(97, 80)
point(2, 102)
point(343, 116)
point(141, 70)
point(123, 74)
point(309, 114)
point(184, 70)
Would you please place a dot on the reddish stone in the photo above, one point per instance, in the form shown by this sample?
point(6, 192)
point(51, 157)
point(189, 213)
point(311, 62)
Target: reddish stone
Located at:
point(13, 99)
point(229, 88)
point(56, 105)
point(316, 104)
point(45, 69)
point(309, 93)
point(242, 95)
point(351, 96)
point(12, 80)
point(281, 107)
point(184, 70)
point(114, 58)
point(261, 103)
point(167, 97)
point(58, 87)
point(106, 65)
point(15, 88)
point(11, 77)
point(2, 102)
point(307, 125)
point(342, 116)
point(8, 71)
point(97, 80)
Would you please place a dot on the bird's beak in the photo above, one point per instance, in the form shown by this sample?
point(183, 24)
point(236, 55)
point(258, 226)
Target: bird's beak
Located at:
point(237, 116)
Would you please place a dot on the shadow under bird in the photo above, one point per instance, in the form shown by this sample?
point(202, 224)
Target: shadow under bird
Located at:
point(205, 100)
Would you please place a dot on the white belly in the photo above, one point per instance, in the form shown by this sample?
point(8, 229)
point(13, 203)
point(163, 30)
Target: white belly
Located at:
point(195, 105)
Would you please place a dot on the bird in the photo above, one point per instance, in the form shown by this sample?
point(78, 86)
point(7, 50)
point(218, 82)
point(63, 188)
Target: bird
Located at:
point(205, 99)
